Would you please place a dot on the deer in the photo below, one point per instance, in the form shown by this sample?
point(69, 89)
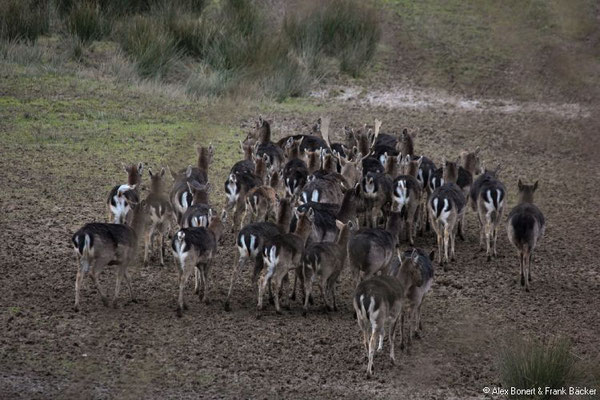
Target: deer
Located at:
point(406, 199)
point(237, 186)
point(487, 197)
point(371, 249)
point(264, 145)
point(323, 262)
point(281, 254)
point(295, 175)
point(415, 273)
point(181, 195)
point(350, 170)
point(194, 248)
point(377, 301)
point(446, 207)
point(525, 227)
point(121, 197)
point(159, 212)
point(250, 242)
point(196, 214)
point(376, 189)
point(260, 203)
point(470, 166)
point(99, 245)
point(323, 188)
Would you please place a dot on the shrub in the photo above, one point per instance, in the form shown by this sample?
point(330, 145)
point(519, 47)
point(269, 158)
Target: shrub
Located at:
point(151, 47)
point(23, 19)
point(527, 364)
point(86, 22)
point(344, 29)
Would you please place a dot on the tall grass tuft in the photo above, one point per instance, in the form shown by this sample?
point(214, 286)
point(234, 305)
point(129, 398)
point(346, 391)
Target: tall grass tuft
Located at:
point(23, 19)
point(152, 48)
point(345, 29)
point(87, 23)
point(527, 364)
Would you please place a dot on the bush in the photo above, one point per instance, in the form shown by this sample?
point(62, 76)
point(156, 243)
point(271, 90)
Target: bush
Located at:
point(527, 364)
point(151, 47)
point(344, 29)
point(86, 22)
point(23, 19)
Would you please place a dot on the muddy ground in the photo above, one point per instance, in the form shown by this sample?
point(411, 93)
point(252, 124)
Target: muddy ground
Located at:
point(144, 351)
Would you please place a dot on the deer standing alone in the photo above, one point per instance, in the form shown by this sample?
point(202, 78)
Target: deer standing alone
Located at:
point(525, 227)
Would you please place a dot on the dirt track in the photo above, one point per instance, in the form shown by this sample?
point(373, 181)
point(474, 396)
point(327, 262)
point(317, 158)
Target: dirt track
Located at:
point(144, 351)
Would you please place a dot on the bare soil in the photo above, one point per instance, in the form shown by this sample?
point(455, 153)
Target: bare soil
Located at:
point(144, 351)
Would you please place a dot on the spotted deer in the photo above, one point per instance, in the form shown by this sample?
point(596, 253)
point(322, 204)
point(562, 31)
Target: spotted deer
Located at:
point(100, 245)
point(194, 248)
point(525, 227)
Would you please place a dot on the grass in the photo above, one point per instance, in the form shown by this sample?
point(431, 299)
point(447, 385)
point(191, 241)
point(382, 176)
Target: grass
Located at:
point(86, 22)
point(526, 48)
point(208, 49)
point(23, 19)
point(527, 364)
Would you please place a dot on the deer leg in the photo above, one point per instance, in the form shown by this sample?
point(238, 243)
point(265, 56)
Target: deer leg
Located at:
point(371, 350)
point(115, 303)
point(78, 283)
point(147, 240)
point(529, 264)
point(307, 287)
point(452, 235)
point(184, 274)
point(392, 337)
point(522, 267)
point(237, 265)
point(128, 282)
point(162, 248)
point(526, 259)
point(446, 239)
point(277, 281)
point(204, 273)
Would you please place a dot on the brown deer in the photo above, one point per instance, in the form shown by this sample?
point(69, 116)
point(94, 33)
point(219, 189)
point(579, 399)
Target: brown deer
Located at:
point(282, 254)
point(99, 245)
point(525, 227)
point(159, 213)
point(322, 263)
point(194, 248)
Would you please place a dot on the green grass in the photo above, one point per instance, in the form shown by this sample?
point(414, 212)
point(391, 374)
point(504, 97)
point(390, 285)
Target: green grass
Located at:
point(528, 48)
point(527, 364)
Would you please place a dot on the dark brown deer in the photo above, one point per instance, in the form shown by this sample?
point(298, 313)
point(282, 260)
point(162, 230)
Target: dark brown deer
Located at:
point(194, 248)
point(99, 245)
point(525, 227)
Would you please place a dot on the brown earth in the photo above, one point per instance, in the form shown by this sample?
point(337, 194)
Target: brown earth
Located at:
point(144, 351)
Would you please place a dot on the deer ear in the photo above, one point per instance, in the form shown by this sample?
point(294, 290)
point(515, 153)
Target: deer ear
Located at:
point(535, 186)
point(188, 171)
point(311, 214)
point(150, 172)
point(162, 172)
point(399, 252)
point(140, 167)
point(224, 216)
point(419, 161)
point(339, 224)
point(415, 256)
point(520, 184)
point(431, 255)
point(173, 174)
point(211, 149)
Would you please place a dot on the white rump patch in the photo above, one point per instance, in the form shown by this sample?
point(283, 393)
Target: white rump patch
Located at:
point(445, 212)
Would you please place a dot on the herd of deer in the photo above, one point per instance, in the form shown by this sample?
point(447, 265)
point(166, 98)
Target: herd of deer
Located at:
point(305, 204)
